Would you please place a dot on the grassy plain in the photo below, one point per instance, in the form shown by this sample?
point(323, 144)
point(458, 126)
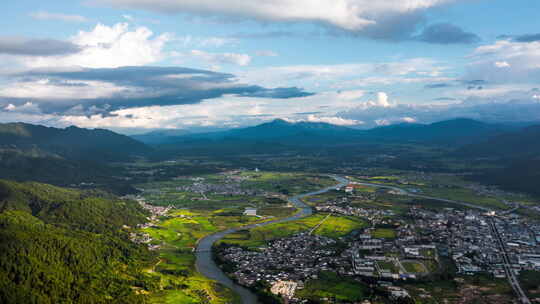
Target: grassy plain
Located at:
point(175, 270)
point(530, 281)
point(333, 227)
point(286, 183)
point(414, 267)
point(383, 233)
point(334, 288)
point(178, 233)
point(471, 289)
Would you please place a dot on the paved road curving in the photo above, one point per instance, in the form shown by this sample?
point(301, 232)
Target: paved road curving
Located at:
point(205, 263)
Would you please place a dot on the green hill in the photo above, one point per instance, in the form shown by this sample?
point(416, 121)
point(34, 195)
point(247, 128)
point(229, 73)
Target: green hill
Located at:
point(523, 143)
point(66, 156)
point(66, 246)
point(70, 143)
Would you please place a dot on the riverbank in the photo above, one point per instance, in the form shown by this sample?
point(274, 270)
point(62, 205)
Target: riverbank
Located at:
point(206, 265)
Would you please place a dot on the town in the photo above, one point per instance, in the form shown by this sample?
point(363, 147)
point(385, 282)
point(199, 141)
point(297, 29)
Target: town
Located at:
point(393, 248)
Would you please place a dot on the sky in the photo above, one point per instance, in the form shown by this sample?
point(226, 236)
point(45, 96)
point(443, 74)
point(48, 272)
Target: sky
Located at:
point(134, 66)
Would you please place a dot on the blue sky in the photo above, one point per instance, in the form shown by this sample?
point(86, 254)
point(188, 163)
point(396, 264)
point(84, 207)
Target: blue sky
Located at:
point(139, 65)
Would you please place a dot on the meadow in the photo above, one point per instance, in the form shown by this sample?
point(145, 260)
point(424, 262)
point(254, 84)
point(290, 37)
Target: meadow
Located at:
point(383, 233)
point(331, 286)
point(175, 268)
point(333, 227)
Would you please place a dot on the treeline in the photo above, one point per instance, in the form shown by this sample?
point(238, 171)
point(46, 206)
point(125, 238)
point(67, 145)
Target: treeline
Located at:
point(65, 246)
point(520, 175)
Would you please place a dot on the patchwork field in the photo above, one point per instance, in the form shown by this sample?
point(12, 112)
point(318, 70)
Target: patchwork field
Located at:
point(332, 226)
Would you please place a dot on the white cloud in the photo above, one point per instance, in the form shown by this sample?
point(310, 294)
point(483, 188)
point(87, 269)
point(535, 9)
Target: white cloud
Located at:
point(408, 119)
point(43, 15)
point(28, 108)
point(351, 15)
point(227, 111)
point(521, 62)
point(349, 76)
point(381, 102)
point(502, 64)
point(109, 46)
point(189, 41)
point(334, 120)
point(382, 122)
point(46, 89)
point(223, 58)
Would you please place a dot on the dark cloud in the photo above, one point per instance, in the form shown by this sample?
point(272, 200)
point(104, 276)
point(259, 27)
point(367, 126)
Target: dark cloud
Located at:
point(474, 82)
point(396, 27)
point(437, 85)
point(527, 38)
point(521, 38)
point(144, 86)
point(446, 33)
point(282, 93)
point(36, 47)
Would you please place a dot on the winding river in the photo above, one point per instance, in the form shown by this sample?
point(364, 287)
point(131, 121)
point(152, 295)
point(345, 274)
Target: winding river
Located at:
point(206, 265)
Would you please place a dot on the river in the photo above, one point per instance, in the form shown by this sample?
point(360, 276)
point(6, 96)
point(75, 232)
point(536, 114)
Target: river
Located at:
point(205, 263)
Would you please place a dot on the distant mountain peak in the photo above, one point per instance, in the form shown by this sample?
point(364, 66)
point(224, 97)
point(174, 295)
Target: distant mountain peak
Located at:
point(280, 121)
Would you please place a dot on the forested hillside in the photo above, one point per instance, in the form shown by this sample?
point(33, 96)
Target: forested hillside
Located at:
point(67, 156)
point(62, 246)
point(70, 143)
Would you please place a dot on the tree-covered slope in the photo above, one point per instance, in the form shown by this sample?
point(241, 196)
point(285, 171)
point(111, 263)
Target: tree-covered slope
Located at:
point(65, 246)
point(524, 143)
point(67, 156)
point(70, 143)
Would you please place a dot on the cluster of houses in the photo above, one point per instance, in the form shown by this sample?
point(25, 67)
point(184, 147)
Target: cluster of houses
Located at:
point(468, 238)
point(521, 239)
point(227, 188)
point(297, 258)
point(140, 237)
point(290, 262)
point(343, 206)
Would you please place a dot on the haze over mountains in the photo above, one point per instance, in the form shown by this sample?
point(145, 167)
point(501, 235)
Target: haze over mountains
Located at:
point(456, 131)
point(74, 155)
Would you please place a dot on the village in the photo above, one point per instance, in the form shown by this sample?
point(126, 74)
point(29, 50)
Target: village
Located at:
point(411, 249)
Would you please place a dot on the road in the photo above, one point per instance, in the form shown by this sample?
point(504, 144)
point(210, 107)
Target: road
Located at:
point(507, 265)
point(512, 280)
point(205, 263)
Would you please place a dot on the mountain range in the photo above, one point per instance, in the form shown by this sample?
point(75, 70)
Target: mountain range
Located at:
point(64, 156)
point(451, 132)
point(70, 143)
point(523, 143)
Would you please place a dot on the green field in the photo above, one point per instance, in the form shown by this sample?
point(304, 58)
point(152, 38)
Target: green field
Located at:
point(530, 281)
point(455, 188)
point(390, 266)
point(175, 269)
point(452, 291)
point(383, 233)
point(286, 183)
point(334, 288)
point(178, 233)
point(333, 226)
point(414, 267)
